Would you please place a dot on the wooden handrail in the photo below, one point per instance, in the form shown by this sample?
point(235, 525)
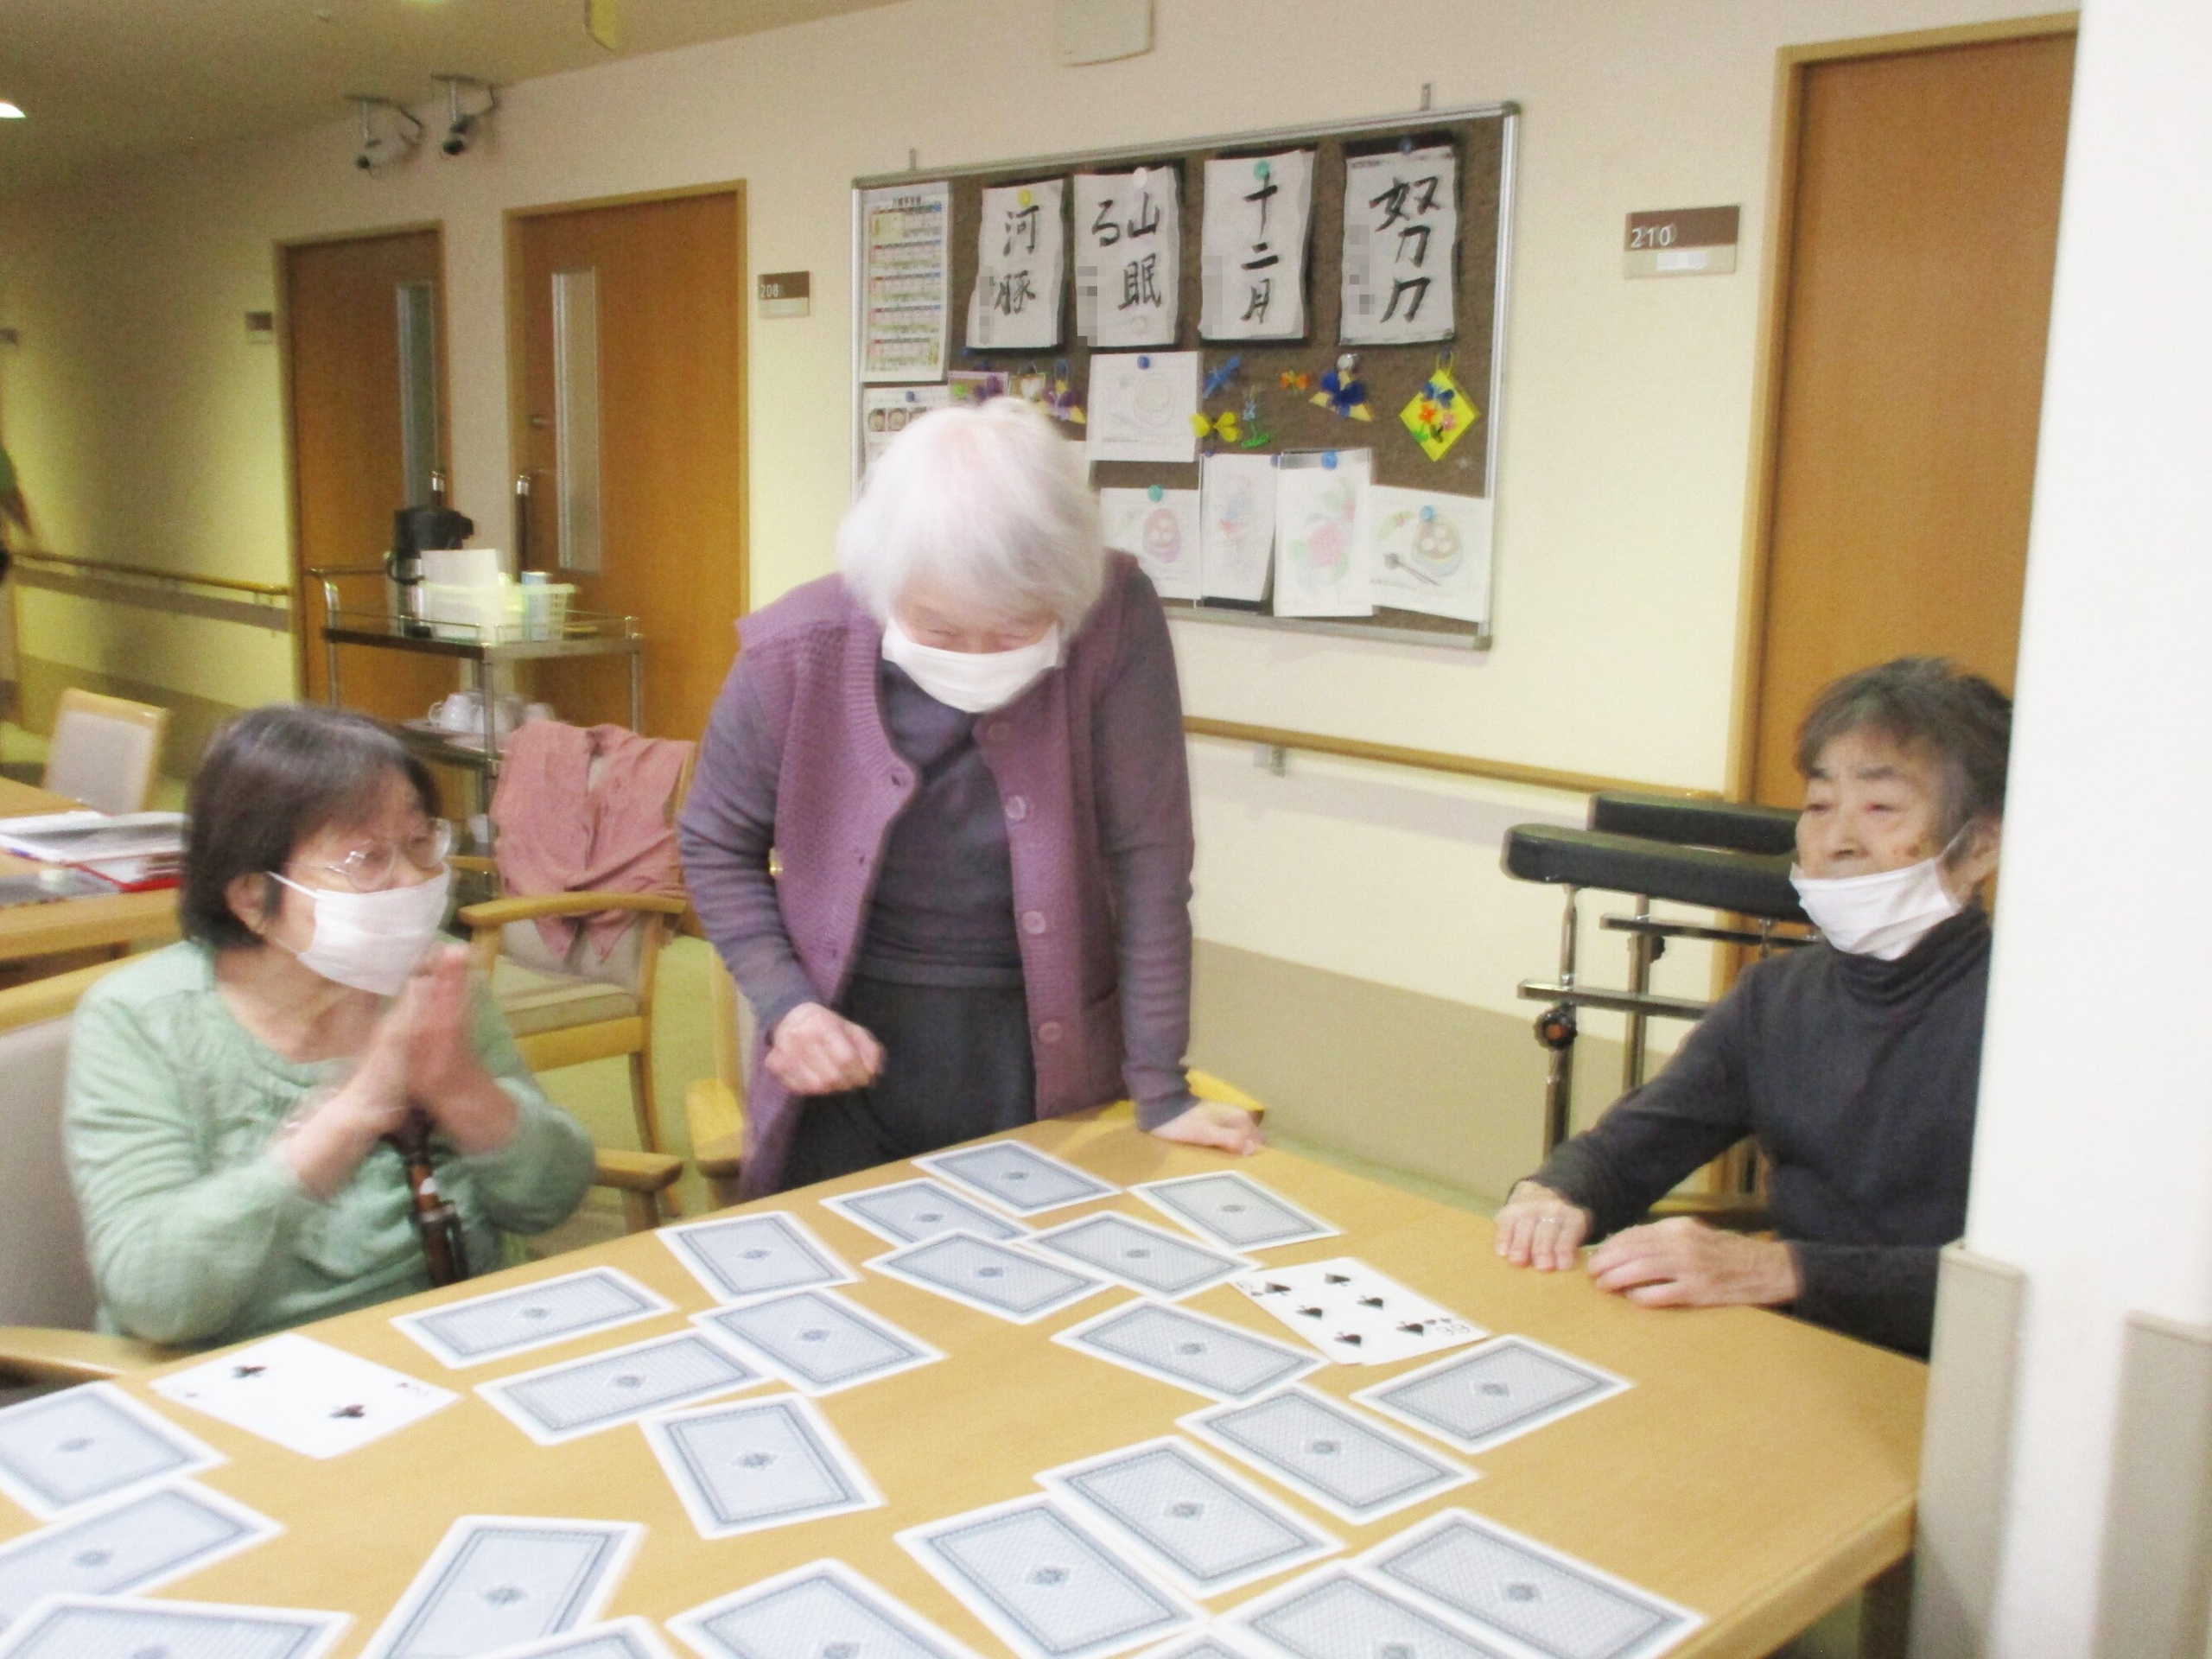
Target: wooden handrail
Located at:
point(108, 567)
point(1458, 765)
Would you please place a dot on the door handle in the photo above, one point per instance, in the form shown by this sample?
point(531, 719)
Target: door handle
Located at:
point(522, 521)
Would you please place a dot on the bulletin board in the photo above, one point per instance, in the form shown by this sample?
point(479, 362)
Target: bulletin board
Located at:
point(1483, 141)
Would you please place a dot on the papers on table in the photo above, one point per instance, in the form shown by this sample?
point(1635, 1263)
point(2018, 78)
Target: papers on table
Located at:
point(305, 1395)
point(557, 1403)
point(1236, 538)
point(755, 1255)
point(757, 1463)
point(1355, 1316)
point(824, 1608)
point(1160, 528)
point(1234, 1210)
point(1252, 258)
point(61, 1451)
point(906, 1213)
point(1001, 1280)
point(1503, 1389)
point(1140, 406)
point(1175, 1346)
point(132, 849)
point(498, 1580)
point(1323, 1450)
point(84, 1627)
point(1021, 263)
point(1128, 241)
point(1017, 1177)
point(121, 1549)
point(1401, 239)
point(817, 1341)
point(508, 1322)
point(906, 277)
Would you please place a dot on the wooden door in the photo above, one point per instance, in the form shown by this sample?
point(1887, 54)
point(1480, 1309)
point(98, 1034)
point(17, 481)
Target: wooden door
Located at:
point(344, 399)
point(666, 290)
point(1921, 227)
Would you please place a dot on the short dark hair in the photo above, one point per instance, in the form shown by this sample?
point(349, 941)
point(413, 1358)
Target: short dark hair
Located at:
point(1965, 720)
point(273, 778)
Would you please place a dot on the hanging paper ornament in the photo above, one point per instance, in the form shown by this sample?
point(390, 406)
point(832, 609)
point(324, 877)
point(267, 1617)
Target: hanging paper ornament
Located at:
point(1253, 437)
point(1439, 414)
point(1297, 380)
point(1223, 426)
point(1343, 391)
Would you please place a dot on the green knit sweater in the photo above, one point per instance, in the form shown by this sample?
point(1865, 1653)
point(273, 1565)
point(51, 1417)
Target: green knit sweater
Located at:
point(198, 1232)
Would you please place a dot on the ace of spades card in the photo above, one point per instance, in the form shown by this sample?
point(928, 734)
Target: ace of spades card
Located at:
point(305, 1395)
point(1354, 1315)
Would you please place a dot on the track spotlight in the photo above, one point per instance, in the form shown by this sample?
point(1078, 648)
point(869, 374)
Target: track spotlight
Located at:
point(462, 124)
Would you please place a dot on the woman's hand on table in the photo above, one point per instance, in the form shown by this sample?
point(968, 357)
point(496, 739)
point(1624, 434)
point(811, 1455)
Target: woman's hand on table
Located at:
point(444, 1076)
point(1679, 1262)
point(815, 1050)
point(1214, 1123)
point(326, 1142)
point(1540, 1228)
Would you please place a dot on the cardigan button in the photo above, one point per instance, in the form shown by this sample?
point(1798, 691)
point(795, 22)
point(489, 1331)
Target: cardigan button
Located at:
point(1017, 808)
point(1050, 1032)
point(1032, 921)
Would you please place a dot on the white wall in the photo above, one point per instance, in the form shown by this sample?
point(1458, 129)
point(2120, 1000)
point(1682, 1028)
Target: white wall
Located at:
point(2093, 1158)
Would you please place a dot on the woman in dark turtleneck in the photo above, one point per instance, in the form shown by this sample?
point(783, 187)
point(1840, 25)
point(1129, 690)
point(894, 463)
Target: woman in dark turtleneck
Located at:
point(1853, 1063)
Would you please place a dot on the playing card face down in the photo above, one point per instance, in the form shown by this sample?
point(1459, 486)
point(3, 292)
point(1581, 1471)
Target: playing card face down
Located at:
point(906, 1213)
point(1207, 1645)
point(496, 1581)
point(82, 1627)
point(1333, 1615)
point(1234, 1210)
point(817, 1341)
point(1355, 1315)
point(759, 1463)
point(625, 1638)
point(1501, 1583)
point(87, 1443)
point(1173, 1344)
point(989, 1277)
point(1351, 1465)
point(1142, 1257)
point(1018, 1178)
point(1048, 1588)
point(143, 1541)
point(1210, 1529)
point(739, 1256)
point(306, 1396)
point(533, 1316)
point(821, 1608)
point(1492, 1394)
point(583, 1397)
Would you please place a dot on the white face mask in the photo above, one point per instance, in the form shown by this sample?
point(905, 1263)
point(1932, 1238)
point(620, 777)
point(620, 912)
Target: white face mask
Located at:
point(372, 941)
point(974, 681)
point(1884, 915)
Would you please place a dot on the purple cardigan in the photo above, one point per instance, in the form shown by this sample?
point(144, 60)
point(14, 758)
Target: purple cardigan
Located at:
point(1090, 769)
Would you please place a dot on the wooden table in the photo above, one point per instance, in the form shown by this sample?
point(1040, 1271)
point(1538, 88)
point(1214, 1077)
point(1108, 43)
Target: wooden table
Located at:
point(1758, 1471)
point(70, 924)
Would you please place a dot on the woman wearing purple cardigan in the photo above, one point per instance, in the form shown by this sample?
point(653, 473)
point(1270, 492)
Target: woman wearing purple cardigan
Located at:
point(966, 752)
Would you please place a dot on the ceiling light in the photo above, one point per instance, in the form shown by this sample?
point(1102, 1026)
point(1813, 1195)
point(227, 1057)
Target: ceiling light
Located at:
point(9, 111)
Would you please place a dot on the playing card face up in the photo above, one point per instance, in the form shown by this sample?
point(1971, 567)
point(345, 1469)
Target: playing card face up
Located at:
point(991, 1278)
point(306, 1396)
point(497, 1581)
point(1353, 1314)
point(1352, 1467)
point(1489, 1395)
point(754, 1255)
point(1332, 1615)
point(143, 1541)
point(90, 1442)
point(907, 1212)
point(817, 1341)
point(509, 1322)
point(1142, 1257)
point(626, 1638)
point(1234, 1210)
point(1212, 1530)
point(1501, 1583)
point(822, 1609)
point(1173, 1344)
point(760, 1463)
point(562, 1403)
point(1046, 1587)
point(1017, 1177)
point(82, 1627)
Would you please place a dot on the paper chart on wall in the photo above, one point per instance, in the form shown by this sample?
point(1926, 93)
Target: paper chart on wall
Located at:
point(1426, 551)
point(1140, 406)
point(906, 276)
point(1020, 261)
point(886, 411)
point(1160, 527)
point(1252, 256)
point(1318, 568)
point(1401, 237)
point(1128, 241)
point(1237, 539)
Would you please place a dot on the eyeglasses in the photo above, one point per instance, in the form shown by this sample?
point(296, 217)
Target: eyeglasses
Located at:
point(369, 869)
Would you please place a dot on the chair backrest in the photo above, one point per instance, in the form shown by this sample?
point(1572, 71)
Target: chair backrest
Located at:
point(44, 1277)
point(104, 751)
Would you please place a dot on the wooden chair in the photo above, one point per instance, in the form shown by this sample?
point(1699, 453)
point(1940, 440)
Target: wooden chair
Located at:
point(104, 751)
point(47, 1297)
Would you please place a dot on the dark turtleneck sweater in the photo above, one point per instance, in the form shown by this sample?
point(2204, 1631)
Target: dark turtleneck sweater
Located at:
point(1857, 1078)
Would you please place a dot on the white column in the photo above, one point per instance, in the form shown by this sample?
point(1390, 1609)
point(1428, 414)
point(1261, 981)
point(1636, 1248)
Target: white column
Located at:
point(2093, 1159)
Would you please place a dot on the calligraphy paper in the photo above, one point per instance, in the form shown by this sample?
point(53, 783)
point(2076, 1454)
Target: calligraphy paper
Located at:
point(1140, 406)
point(906, 276)
point(1237, 542)
point(1252, 260)
point(1427, 552)
point(1129, 244)
point(886, 411)
point(1160, 527)
point(1021, 263)
point(1401, 237)
point(1318, 568)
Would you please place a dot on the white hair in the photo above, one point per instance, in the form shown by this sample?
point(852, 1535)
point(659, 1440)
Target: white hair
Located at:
point(989, 504)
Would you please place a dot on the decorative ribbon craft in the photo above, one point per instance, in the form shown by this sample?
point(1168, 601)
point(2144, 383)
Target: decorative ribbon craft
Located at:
point(1439, 414)
point(1221, 377)
point(1223, 426)
point(1253, 438)
point(1060, 396)
point(1297, 380)
point(1343, 391)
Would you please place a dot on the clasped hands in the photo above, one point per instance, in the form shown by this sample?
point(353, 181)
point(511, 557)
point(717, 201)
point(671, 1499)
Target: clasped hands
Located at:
point(418, 1055)
point(1677, 1263)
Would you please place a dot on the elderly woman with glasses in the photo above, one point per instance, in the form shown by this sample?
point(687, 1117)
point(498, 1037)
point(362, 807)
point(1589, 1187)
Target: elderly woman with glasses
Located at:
point(966, 752)
point(230, 1097)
